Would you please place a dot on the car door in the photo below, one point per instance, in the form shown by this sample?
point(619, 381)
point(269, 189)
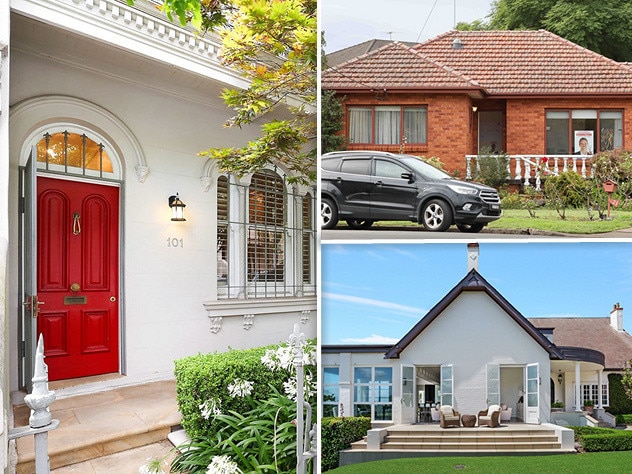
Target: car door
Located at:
point(353, 180)
point(392, 196)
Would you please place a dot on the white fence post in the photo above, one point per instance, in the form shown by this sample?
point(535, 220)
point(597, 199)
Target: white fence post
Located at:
point(305, 437)
point(41, 421)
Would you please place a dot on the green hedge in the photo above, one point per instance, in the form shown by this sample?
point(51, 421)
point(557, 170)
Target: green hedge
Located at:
point(203, 377)
point(620, 403)
point(338, 434)
point(595, 439)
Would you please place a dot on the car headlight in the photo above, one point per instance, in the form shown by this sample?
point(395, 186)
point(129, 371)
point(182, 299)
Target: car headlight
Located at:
point(463, 189)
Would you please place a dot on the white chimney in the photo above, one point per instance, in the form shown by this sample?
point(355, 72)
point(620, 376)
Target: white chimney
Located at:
point(616, 317)
point(472, 257)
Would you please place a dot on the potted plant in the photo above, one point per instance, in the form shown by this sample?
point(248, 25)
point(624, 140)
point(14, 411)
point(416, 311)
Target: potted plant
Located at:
point(557, 406)
point(588, 406)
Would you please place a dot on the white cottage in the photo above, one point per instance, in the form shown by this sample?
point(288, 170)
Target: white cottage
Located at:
point(104, 108)
point(473, 349)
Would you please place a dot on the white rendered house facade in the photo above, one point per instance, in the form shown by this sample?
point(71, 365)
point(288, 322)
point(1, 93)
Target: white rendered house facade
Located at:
point(471, 350)
point(105, 108)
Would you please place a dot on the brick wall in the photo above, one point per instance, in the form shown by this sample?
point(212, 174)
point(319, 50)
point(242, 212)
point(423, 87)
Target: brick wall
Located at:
point(453, 127)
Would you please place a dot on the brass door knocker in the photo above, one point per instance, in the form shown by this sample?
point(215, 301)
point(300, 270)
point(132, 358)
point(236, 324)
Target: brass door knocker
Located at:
point(76, 225)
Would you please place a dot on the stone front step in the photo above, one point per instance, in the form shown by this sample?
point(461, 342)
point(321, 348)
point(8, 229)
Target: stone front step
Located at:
point(470, 440)
point(99, 424)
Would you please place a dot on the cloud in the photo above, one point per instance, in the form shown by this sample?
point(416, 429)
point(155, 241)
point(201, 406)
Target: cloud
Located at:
point(374, 303)
point(372, 339)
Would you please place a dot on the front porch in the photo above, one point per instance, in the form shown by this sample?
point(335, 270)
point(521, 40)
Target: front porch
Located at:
point(530, 169)
point(420, 440)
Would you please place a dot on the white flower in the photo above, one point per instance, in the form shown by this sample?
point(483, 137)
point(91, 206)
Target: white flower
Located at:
point(309, 387)
point(240, 388)
point(210, 407)
point(153, 467)
point(222, 465)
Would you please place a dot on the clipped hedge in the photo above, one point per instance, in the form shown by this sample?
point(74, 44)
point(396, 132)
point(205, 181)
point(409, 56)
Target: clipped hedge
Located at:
point(338, 434)
point(595, 439)
point(204, 377)
point(620, 403)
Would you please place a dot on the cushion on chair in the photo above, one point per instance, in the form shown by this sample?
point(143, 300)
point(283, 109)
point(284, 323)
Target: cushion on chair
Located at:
point(447, 410)
point(492, 409)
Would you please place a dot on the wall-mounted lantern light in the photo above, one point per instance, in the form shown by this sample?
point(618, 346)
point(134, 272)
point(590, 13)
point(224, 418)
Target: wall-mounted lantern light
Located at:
point(177, 208)
point(474, 108)
point(560, 378)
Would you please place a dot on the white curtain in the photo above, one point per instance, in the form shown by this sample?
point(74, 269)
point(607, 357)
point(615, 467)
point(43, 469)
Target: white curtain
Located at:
point(360, 125)
point(387, 125)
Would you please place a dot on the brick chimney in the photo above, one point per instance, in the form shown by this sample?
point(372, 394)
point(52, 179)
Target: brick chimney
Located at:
point(472, 257)
point(616, 317)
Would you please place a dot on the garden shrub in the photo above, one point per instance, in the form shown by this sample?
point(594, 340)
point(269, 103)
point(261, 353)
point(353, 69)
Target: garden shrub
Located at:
point(620, 403)
point(491, 169)
point(202, 383)
point(568, 189)
point(619, 441)
point(338, 434)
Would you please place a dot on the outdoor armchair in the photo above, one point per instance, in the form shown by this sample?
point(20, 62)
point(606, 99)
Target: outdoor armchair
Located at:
point(449, 416)
point(489, 417)
point(505, 413)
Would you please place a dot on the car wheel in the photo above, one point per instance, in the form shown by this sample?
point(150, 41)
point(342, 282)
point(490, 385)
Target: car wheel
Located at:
point(359, 223)
point(470, 228)
point(328, 214)
point(436, 216)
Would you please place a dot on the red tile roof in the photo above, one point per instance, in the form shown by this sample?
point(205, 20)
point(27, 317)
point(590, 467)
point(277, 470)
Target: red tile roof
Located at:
point(590, 333)
point(394, 66)
point(505, 63)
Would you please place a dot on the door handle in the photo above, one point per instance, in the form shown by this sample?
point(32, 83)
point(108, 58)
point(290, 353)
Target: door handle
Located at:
point(32, 304)
point(379, 183)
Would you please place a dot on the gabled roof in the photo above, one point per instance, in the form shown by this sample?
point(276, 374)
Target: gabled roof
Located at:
point(591, 333)
point(394, 66)
point(473, 281)
point(346, 54)
point(499, 63)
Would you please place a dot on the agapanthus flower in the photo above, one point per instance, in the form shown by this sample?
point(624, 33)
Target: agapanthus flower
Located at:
point(223, 465)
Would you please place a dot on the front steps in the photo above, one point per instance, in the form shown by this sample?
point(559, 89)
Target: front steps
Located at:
point(99, 424)
point(457, 440)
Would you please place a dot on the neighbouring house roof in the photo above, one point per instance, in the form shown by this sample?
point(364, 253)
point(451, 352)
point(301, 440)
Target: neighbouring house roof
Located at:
point(473, 281)
point(395, 66)
point(346, 54)
point(499, 63)
point(591, 333)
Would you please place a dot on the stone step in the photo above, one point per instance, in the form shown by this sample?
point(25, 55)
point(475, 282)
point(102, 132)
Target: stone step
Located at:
point(471, 438)
point(474, 446)
point(99, 424)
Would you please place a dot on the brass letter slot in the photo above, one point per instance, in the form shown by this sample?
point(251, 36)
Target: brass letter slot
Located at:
point(75, 300)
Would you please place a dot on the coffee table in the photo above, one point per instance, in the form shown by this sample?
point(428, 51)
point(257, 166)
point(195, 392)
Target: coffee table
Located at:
point(468, 421)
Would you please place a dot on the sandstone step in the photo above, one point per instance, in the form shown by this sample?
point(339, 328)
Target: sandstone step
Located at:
point(102, 423)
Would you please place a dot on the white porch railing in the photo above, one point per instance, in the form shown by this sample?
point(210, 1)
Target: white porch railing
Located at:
point(523, 168)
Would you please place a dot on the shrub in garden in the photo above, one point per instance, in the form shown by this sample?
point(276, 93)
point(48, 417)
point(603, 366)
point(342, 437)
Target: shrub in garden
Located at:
point(595, 439)
point(568, 189)
point(620, 403)
point(239, 408)
point(338, 434)
point(491, 169)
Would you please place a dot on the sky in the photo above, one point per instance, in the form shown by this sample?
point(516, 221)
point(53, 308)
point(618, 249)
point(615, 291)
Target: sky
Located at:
point(374, 293)
point(350, 22)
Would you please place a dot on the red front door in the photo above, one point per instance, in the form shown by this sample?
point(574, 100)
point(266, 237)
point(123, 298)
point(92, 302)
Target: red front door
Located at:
point(77, 276)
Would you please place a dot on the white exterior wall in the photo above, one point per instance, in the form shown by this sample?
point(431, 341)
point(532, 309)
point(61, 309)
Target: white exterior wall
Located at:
point(472, 332)
point(163, 288)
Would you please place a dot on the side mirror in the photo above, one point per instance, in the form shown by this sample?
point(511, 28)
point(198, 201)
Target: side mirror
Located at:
point(408, 176)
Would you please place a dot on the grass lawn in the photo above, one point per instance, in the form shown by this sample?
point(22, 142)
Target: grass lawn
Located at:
point(559, 463)
point(547, 220)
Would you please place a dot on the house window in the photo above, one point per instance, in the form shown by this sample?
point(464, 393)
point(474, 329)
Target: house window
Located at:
point(373, 392)
point(388, 125)
point(603, 129)
point(591, 392)
point(265, 239)
point(331, 391)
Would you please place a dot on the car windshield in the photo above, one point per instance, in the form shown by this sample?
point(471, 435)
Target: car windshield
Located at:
point(423, 168)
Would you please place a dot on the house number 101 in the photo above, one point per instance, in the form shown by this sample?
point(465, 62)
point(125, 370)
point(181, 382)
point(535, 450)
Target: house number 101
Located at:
point(173, 242)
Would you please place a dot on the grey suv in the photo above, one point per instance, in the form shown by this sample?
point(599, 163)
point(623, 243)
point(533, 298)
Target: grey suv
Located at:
point(362, 187)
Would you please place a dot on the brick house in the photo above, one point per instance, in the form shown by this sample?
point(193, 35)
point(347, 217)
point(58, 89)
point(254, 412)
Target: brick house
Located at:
point(464, 92)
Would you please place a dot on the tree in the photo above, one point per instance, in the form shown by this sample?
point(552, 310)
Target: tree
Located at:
point(274, 44)
point(626, 380)
point(331, 122)
point(603, 26)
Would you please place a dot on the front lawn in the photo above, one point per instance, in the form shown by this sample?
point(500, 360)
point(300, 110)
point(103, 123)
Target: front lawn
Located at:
point(546, 220)
point(558, 463)
point(576, 221)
